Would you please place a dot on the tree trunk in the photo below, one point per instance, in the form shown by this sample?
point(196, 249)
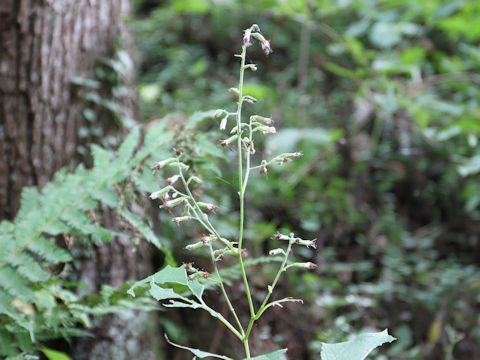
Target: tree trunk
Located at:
point(44, 45)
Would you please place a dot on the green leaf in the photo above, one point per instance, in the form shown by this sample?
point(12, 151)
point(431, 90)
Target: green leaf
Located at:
point(101, 158)
point(7, 348)
point(125, 151)
point(28, 267)
point(48, 250)
point(199, 353)
point(168, 274)
point(276, 355)
point(54, 355)
point(13, 283)
point(356, 349)
point(179, 304)
point(159, 293)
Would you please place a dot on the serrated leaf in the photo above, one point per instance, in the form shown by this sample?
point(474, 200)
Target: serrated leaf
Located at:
point(125, 150)
point(201, 354)
point(30, 200)
point(28, 267)
point(49, 251)
point(56, 228)
point(14, 284)
point(356, 349)
point(101, 158)
point(107, 196)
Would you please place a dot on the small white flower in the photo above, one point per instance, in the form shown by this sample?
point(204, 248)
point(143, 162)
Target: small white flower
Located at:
point(172, 180)
point(276, 252)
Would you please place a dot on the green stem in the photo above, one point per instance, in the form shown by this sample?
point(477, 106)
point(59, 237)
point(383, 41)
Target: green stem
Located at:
point(270, 291)
point(224, 292)
point(241, 193)
point(247, 348)
point(222, 319)
point(210, 228)
point(240, 181)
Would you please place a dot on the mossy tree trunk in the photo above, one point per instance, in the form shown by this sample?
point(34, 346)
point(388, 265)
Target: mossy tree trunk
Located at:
point(44, 45)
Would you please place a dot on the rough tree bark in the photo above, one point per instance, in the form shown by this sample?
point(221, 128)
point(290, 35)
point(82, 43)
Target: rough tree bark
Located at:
point(44, 44)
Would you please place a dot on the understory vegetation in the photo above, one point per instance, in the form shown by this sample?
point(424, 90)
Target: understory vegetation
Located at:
point(382, 99)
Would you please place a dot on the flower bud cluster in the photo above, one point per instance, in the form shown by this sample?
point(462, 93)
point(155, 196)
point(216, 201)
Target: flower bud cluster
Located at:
point(255, 119)
point(265, 129)
point(254, 31)
point(276, 252)
point(162, 193)
point(228, 141)
point(249, 99)
point(252, 67)
point(304, 265)
point(234, 251)
point(179, 219)
point(194, 273)
point(199, 274)
point(194, 246)
point(171, 162)
point(211, 208)
point(286, 157)
point(295, 240)
point(194, 179)
point(249, 145)
point(247, 34)
point(205, 240)
point(173, 179)
point(235, 129)
point(169, 204)
point(263, 42)
point(263, 167)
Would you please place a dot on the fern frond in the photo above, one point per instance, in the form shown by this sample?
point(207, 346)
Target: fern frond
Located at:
point(28, 248)
point(48, 250)
point(28, 267)
point(14, 284)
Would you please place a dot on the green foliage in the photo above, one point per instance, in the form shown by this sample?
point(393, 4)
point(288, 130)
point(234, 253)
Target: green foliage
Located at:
point(356, 349)
point(392, 191)
point(35, 303)
point(54, 355)
point(181, 286)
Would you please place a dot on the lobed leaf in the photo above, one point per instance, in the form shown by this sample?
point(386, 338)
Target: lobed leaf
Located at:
point(276, 355)
point(356, 349)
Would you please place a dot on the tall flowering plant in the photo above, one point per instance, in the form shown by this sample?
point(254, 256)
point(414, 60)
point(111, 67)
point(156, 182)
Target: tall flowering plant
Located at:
point(184, 286)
